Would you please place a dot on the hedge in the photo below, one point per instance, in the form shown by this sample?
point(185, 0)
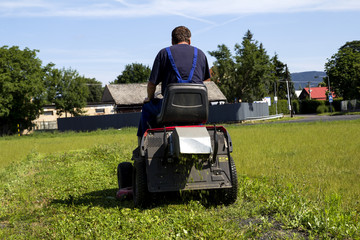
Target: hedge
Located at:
point(282, 107)
point(304, 106)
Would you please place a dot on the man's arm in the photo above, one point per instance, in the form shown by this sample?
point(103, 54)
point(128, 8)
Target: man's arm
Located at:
point(151, 87)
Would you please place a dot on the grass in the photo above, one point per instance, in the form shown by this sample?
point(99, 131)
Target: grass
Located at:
point(295, 181)
point(321, 157)
point(14, 148)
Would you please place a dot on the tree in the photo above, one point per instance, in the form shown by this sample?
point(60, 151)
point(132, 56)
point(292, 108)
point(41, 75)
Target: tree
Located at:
point(21, 88)
point(343, 70)
point(223, 71)
point(95, 90)
point(134, 73)
point(67, 90)
point(281, 74)
point(248, 75)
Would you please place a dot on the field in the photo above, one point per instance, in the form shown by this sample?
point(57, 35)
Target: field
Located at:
point(296, 181)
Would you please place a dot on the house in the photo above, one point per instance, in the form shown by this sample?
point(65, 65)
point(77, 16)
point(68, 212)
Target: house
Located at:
point(48, 119)
point(297, 93)
point(316, 93)
point(130, 97)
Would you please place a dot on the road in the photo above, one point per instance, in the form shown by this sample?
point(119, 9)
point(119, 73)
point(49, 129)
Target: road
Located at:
point(314, 117)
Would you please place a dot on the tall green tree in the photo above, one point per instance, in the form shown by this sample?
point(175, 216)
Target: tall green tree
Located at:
point(134, 73)
point(281, 74)
point(223, 71)
point(21, 88)
point(343, 70)
point(95, 90)
point(248, 75)
point(67, 90)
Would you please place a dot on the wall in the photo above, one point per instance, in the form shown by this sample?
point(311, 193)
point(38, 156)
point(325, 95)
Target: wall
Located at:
point(217, 114)
point(237, 112)
point(48, 119)
point(350, 105)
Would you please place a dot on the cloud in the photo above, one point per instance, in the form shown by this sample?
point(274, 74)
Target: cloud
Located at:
point(194, 9)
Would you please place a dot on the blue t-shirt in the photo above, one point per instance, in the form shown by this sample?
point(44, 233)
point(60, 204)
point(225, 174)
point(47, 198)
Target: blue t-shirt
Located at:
point(183, 54)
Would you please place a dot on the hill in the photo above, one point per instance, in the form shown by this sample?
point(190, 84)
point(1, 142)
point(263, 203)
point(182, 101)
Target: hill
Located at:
point(302, 79)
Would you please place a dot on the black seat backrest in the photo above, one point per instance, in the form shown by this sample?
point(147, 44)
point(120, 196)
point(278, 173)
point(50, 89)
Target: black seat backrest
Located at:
point(184, 103)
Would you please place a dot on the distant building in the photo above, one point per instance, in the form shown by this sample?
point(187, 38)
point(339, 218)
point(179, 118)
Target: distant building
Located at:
point(316, 93)
point(48, 119)
point(117, 98)
point(130, 97)
point(297, 93)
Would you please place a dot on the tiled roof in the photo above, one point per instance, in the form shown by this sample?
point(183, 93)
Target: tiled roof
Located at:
point(135, 93)
point(318, 93)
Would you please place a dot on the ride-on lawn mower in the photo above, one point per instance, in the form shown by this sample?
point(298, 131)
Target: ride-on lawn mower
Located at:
point(180, 153)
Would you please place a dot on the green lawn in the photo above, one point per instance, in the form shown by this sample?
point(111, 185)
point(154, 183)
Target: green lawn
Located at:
point(14, 148)
point(296, 180)
point(321, 157)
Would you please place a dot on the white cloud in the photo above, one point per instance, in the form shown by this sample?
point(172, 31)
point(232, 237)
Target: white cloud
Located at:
point(195, 9)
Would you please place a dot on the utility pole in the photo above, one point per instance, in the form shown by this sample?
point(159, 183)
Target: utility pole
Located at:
point(275, 97)
point(309, 90)
point(288, 92)
point(330, 94)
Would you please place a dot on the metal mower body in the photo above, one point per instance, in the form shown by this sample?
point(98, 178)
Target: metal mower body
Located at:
point(176, 161)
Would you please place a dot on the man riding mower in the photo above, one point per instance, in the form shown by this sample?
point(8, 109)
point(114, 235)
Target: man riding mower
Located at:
point(180, 153)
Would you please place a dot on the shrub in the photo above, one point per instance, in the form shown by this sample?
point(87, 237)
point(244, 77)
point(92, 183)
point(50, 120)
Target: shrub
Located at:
point(310, 106)
point(282, 107)
point(322, 109)
point(336, 105)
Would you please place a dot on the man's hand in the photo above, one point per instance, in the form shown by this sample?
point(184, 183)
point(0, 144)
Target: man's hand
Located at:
point(146, 100)
point(150, 92)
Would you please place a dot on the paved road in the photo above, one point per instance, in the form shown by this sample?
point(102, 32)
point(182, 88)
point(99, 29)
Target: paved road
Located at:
point(314, 117)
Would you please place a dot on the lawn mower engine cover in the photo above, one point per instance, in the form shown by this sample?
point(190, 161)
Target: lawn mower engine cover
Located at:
point(191, 140)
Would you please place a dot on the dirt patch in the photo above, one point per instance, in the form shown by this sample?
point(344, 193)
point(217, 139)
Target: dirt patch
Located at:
point(270, 229)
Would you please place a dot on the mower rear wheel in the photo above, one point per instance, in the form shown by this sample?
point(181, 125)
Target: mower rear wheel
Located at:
point(140, 190)
point(229, 195)
point(124, 174)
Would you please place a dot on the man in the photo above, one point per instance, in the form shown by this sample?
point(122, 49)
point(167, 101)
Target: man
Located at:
point(176, 64)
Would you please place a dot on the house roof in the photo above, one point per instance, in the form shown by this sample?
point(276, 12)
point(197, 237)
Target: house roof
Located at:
point(135, 93)
point(318, 93)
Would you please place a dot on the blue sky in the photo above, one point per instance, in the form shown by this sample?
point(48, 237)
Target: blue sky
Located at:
point(99, 37)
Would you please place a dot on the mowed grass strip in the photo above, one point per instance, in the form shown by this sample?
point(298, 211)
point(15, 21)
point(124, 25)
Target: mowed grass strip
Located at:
point(71, 194)
point(15, 148)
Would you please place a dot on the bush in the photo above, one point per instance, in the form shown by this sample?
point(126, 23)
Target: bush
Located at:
point(336, 105)
point(310, 106)
point(322, 109)
point(282, 107)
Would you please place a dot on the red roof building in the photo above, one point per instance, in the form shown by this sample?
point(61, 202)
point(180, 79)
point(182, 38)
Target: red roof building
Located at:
point(316, 93)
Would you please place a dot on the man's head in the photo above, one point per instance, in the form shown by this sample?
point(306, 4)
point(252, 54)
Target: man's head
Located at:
point(180, 34)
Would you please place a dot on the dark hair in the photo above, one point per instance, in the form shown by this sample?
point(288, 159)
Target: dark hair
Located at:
point(180, 34)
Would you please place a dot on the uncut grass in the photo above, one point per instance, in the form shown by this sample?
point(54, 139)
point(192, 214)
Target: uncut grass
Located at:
point(320, 157)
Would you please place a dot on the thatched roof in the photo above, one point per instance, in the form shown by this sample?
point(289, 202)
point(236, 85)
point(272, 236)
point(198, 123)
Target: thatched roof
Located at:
point(135, 93)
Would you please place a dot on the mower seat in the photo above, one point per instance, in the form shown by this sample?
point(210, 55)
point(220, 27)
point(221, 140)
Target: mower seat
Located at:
point(184, 104)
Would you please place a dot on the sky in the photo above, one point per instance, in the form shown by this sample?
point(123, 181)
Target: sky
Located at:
point(98, 38)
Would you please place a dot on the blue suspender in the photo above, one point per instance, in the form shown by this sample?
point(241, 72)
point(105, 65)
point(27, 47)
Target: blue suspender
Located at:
point(177, 71)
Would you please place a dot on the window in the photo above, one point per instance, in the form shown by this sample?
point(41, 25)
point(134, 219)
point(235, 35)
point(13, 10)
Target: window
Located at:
point(48, 113)
point(100, 110)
